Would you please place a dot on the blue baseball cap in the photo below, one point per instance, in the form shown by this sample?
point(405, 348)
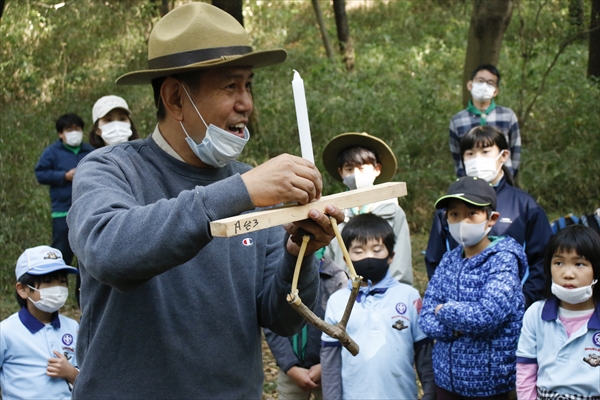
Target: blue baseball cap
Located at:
point(42, 260)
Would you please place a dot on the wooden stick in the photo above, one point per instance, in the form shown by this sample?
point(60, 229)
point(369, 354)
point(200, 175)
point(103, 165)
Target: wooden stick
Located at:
point(337, 331)
point(245, 223)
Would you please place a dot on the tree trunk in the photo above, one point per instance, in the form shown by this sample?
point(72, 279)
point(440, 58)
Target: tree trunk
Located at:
point(233, 7)
point(486, 31)
point(343, 33)
point(594, 37)
point(323, 29)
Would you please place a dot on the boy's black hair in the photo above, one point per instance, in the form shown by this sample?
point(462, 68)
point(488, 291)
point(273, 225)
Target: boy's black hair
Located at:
point(67, 120)
point(487, 67)
point(367, 226)
point(35, 280)
point(581, 239)
point(357, 156)
point(485, 136)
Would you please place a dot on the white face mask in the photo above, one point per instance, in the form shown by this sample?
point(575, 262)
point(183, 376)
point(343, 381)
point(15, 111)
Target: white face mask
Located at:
point(51, 298)
point(573, 296)
point(116, 132)
point(468, 234)
point(483, 167)
point(73, 138)
point(481, 91)
point(360, 179)
point(219, 146)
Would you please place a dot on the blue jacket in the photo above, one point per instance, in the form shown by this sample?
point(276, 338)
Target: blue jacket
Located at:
point(478, 327)
point(521, 218)
point(55, 161)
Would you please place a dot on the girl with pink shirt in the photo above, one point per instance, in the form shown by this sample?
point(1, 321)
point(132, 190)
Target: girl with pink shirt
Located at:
point(559, 348)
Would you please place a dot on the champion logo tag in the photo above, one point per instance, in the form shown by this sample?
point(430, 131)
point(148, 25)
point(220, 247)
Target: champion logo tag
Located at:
point(247, 242)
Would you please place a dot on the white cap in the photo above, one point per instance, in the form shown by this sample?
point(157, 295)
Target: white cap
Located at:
point(105, 104)
point(41, 260)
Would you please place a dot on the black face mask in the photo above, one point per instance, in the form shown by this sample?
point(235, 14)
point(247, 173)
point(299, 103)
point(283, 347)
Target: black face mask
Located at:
point(373, 269)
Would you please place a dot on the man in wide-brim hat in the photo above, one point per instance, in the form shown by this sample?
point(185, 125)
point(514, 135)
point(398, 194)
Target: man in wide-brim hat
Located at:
point(168, 311)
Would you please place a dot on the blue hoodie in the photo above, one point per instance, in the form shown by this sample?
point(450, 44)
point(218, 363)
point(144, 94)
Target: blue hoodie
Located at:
point(478, 327)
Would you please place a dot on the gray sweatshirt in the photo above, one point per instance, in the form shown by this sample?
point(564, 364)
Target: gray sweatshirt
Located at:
point(168, 311)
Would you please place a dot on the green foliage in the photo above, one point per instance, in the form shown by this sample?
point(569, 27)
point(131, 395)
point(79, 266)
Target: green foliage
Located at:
point(405, 88)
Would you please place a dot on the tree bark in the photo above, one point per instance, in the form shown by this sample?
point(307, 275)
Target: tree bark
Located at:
point(233, 7)
point(323, 29)
point(594, 41)
point(486, 31)
point(343, 33)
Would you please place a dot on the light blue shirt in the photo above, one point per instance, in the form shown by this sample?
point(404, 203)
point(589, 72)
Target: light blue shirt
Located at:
point(26, 344)
point(385, 326)
point(566, 365)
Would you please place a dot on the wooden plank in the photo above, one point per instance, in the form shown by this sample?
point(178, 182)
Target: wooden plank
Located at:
point(245, 223)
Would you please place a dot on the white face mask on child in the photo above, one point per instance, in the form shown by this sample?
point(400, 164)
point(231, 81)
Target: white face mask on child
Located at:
point(51, 298)
point(361, 178)
point(468, 234)
point(483, 167)
point(481, 91)
point(573, 296)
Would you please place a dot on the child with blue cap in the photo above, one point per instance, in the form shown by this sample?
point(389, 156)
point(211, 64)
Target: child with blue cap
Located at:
point(37, 344)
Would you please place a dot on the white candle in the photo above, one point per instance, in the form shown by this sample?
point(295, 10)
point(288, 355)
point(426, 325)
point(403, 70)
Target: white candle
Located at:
point(302, 117)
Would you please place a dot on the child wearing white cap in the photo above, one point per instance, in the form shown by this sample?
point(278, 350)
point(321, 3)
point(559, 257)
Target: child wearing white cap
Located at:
point(37, 344)
point(112, 122)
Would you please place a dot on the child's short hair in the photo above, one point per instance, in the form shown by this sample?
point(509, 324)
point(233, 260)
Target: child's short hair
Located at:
point(66, 120)
point(487, 67)
point(356, 156)
point(364, 227)
point(35, 280)
point(581, 239)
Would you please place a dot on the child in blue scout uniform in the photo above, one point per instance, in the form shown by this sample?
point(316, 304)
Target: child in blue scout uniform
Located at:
point(474, 305)
point(56, 168)
point(484, 151)
point(361, 160)
point(37, 344)
point(559, 348)
point(383, 323)
point(298, 357)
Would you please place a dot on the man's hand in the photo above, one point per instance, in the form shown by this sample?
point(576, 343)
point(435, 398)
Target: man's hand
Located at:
point(318, 226)
point(69, 175)
point(60, 367)
point(283, 179)
point(302, 379)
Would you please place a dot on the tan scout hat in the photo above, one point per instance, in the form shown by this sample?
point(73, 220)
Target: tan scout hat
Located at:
point(199, 36)
point(386, 156)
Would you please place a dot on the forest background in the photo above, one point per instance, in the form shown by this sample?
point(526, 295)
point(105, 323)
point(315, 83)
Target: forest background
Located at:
point(59, 57)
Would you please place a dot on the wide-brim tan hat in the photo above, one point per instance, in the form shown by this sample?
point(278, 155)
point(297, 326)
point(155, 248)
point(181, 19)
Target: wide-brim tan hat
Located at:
point(198, 36)
point(386, 156)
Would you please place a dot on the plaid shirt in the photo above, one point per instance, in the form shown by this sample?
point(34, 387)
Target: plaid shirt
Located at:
point(501, 117)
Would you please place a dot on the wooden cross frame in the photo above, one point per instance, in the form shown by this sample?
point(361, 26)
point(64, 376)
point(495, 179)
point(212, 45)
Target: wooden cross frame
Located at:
point(254, 221)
